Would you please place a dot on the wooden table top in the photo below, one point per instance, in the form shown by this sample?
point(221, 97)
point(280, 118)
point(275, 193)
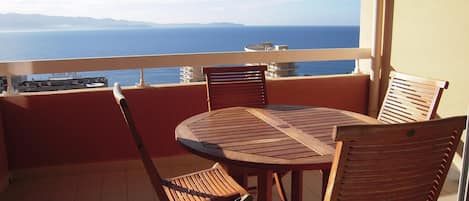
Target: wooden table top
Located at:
point(274, 137)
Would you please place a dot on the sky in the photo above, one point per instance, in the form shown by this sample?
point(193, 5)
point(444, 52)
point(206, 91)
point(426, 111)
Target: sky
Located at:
point(248, 12)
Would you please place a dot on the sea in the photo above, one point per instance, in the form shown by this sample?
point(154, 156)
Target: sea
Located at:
point(53, 44)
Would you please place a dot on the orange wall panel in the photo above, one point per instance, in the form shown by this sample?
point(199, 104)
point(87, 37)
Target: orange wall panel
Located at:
point(81, 127)
point(341, 92)
point(78, 127)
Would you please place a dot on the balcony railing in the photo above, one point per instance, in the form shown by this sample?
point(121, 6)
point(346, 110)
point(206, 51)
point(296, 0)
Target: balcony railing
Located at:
point(14, 68)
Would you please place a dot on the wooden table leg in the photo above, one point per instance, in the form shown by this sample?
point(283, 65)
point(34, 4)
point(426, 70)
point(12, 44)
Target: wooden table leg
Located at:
point(242, 180)
point(297, 185)
point(325, 179)
point(264, 186)
point(239, 176)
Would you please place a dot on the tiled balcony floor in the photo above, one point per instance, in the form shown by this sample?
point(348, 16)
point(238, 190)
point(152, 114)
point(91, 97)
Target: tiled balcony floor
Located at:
point(127, 181)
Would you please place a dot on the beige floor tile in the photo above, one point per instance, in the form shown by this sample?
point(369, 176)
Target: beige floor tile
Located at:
point(127, 181)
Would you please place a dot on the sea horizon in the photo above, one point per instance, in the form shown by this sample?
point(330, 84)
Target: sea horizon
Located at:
point(64, 44)
point(156, 27)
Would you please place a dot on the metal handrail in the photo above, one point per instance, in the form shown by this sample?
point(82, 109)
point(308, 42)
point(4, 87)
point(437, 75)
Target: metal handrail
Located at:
point(177, 60)
point(14, 68)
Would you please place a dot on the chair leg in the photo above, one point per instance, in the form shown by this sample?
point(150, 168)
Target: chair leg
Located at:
point(325, 179)
point(280, 188)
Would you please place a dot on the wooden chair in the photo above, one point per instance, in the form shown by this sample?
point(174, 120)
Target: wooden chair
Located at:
point(239, 86)
point(407, 161)
point(210, 184)
point(410, 98)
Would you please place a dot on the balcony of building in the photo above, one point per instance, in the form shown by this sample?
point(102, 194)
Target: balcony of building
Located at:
point(64, 136)
point(72, 145)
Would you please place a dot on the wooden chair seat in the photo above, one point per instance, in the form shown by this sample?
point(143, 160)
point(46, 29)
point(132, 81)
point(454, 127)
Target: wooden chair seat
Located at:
point(210, 184)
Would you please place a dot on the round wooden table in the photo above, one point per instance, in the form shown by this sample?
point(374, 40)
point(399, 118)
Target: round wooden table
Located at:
point(273, 138)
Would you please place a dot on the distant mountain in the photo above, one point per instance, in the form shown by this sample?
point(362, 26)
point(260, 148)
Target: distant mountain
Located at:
point(215, 24)
point(14, 22)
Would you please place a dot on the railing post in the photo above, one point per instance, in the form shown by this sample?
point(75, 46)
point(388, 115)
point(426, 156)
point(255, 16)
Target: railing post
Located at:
point(357, 66)
point(142, 79)
point(10, 88)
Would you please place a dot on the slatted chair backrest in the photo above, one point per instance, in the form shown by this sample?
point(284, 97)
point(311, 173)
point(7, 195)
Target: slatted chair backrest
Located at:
point(150, 168)
point(407, 161)
point(410, 98)
point(236, 86)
